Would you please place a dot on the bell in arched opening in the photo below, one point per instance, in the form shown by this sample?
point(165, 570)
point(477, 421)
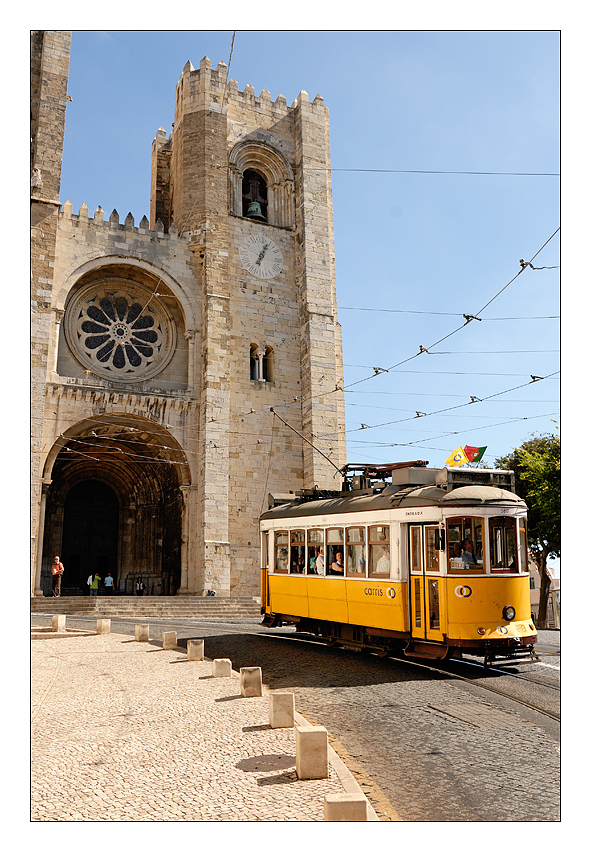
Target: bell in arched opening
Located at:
point(254, 196)
point(254, 211)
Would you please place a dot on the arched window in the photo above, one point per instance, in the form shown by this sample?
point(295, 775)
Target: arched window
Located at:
point(254, 196)
point(269, 364)
point(255, 364)
point(262, 364)
point(258, 162)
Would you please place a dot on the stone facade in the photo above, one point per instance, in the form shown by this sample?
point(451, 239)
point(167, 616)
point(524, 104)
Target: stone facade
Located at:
point(161, 348)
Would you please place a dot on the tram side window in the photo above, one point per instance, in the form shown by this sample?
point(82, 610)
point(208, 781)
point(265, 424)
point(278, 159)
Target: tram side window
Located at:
point(379, 551)
point(464, 544)
point(415, 548)
point(281, 552)
point(297, 553)
point(265, 550)
point(523, 553)
point(334, 552)
point(316, 564)
point(355, 551)
point(503, 545)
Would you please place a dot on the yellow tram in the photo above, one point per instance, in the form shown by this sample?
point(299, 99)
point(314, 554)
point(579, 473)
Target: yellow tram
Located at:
point(431, 562)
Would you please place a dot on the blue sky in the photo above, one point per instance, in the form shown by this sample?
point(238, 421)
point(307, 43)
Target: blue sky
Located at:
point(414, 251)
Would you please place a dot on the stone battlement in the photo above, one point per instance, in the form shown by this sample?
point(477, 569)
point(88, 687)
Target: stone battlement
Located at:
point(205, 86)
point(113, 222)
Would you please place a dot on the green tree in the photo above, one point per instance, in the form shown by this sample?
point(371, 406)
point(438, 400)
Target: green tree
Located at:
point(537, 479)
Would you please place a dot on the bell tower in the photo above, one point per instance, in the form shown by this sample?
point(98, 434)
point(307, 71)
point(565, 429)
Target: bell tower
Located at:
point(247, 181)
point(162, 351)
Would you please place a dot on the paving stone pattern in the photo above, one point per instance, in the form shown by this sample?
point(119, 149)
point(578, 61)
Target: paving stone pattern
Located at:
point(432, 745)
point(123, 730)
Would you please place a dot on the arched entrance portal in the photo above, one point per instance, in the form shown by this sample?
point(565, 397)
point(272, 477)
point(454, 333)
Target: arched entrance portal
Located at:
point(115, 505)
point(90, 534)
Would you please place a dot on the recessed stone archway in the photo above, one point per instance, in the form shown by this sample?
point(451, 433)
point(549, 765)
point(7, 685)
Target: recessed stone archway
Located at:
point(139, 528)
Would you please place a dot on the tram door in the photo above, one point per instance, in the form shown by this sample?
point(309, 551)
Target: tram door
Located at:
point(425, 583)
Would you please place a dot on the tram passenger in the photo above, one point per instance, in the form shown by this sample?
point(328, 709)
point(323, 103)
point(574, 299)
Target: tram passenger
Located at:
point(282, 559)
point(383, 566)
point(318, 567)
point(468, 557)
point(337, 567)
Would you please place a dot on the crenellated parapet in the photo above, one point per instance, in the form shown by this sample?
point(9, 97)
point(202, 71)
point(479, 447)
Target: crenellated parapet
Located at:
point(113, 223)
point(205, 87)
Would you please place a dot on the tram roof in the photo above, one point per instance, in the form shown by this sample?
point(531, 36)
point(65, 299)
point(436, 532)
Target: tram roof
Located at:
point(394, 497)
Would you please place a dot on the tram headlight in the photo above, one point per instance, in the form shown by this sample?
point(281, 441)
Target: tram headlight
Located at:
point(509, 613)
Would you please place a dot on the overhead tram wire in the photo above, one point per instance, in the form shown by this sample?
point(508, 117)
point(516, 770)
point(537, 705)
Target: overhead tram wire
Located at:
point(418, 415)
point(421, 415)
point(134, 456)
point(468, 317)
point(437, 313)
point(513, 421)
point(379, 371)
point(436, 172)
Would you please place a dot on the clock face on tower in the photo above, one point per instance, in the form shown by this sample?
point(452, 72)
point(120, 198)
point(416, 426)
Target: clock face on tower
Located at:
point(261, 256)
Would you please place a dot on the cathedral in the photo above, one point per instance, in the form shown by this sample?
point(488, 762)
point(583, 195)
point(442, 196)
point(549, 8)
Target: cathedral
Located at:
point(185, 367)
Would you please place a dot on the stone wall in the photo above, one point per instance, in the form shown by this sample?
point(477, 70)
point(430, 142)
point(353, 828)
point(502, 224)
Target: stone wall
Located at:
point(50, 57)
point(197, 435)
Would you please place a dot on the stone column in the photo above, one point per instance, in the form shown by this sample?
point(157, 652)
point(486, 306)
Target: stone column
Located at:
point(190, 338)
point(59, 315)
point(37, 591)
point(185, 538)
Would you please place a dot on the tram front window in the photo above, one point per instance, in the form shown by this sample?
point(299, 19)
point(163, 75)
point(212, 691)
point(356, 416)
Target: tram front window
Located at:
point(465, 544)
point(503, 545)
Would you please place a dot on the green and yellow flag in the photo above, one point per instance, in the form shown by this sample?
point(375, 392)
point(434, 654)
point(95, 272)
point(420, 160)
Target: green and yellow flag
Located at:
point(457, 458)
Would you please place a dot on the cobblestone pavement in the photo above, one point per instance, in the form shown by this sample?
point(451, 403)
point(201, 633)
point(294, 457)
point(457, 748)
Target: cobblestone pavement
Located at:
point(437, 749)
point(423, 747)
point(123, 730)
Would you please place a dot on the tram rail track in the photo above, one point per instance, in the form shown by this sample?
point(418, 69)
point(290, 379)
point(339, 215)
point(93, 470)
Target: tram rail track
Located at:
point(505, 673)
point(441, 670)
point(488, 687)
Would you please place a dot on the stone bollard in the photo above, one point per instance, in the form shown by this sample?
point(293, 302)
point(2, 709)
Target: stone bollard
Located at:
point(195, 649)
point(281, 710)
point(345, 807)
point(311, 752)
point(221, 668)
point(251, 682)
point(142, 632)
point(103, 625)
point(58, 623)
point(169, 640)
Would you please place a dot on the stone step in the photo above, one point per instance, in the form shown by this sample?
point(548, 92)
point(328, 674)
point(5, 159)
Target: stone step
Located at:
point(217, 609)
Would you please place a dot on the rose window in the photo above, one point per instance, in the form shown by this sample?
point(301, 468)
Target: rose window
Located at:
point(123, 334)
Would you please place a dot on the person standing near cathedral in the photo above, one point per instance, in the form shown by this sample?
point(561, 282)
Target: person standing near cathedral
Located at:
point(57, 569)
point(94, 586)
